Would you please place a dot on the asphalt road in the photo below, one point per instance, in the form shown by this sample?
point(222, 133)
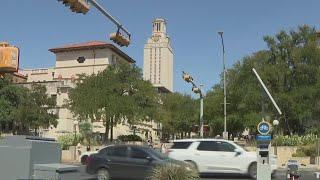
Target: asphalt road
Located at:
point(281, 175)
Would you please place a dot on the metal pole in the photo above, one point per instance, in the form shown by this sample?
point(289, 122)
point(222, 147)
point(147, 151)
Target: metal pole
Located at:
point(225, 94)
point(225, 133)
point(267, 91)
point(75, 142)
point(104, 12)
point(318, 146)
point(201, 112)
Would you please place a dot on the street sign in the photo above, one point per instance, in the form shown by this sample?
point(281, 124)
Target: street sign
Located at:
point(264, 128)
point(263, 137)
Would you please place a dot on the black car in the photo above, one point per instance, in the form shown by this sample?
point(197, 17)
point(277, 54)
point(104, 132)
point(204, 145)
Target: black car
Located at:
point(126, 162)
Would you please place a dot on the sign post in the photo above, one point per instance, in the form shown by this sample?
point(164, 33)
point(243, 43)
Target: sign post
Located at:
point(263, 140)
point(263, 151)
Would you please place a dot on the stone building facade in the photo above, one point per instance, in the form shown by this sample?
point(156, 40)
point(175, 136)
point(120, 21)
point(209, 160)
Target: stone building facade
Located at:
point(158, 57)
point(71, 60)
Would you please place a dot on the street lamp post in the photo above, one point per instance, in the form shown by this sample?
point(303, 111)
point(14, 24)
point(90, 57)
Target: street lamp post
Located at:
point(75, 123)
point(196, 90)
point(225, 132)
point(201, 111)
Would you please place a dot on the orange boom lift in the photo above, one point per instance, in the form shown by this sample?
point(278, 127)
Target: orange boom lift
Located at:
point(9, 58)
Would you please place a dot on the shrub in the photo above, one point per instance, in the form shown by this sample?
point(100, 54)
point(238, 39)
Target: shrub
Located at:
point(173, 172)
point(85, 129)
point(68, 140)
point(310, 150)
point(126, 138)
point(294, 140)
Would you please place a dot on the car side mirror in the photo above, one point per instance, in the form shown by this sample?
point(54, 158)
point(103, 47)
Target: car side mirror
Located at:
point(149, 158)
point(238, 152)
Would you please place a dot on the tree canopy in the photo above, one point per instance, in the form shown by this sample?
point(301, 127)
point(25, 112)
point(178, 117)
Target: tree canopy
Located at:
point(114, 95)
point(179, 115)
point(24, 110)
point(290, 69)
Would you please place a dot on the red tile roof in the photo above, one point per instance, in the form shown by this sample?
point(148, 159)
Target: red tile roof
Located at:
point(92, 45)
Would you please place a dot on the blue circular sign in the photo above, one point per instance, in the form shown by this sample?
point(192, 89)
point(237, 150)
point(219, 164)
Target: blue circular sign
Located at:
point(264, 128)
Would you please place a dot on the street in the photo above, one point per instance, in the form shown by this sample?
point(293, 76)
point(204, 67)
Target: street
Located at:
point(306, 175)
point(280, 175)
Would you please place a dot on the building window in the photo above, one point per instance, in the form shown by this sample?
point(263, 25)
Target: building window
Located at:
point(54, 97)
point(81, 59)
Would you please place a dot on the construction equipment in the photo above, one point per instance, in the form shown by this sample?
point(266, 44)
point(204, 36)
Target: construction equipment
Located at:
point(9, 58)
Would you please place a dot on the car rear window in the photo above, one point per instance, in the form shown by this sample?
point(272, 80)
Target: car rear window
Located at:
point(181, 145)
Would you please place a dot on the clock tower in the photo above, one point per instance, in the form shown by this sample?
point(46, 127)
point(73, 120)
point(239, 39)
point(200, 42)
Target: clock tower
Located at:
point(158, 58)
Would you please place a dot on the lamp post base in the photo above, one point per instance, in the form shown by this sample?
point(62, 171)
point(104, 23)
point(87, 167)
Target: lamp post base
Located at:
point(225, 135)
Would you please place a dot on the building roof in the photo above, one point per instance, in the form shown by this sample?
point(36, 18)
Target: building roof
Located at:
point(92, 45)
point(19, 75)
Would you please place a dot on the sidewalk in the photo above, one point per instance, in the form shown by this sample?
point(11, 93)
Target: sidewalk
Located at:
point(309, 167)
point(82, 170)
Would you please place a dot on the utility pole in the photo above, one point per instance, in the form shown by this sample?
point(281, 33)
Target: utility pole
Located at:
point(201, 111)
point(225, 132)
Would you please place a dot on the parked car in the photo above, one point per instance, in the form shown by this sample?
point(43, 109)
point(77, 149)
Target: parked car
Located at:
point(216, 156)
point(127, 161)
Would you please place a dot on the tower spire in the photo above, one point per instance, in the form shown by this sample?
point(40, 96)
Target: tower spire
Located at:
point(159, 28)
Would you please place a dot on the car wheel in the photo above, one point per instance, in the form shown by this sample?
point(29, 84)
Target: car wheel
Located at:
point(103, 174)
point(252, 171)
point(193, 165)
point(83, 159)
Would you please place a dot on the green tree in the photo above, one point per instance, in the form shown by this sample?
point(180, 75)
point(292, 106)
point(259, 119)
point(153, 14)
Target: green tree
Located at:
point(35, 111)
point(180, 114)
point(24, 109)
point(289, 68)
point(114, 95)
point(10, 99)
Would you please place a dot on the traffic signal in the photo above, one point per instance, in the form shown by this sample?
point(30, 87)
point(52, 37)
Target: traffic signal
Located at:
point(187, 77)
point(119, 39)
point(78, 6)
point(196, 90)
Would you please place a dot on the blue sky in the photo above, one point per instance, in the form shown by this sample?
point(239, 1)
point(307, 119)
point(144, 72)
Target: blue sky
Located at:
point(37, 25)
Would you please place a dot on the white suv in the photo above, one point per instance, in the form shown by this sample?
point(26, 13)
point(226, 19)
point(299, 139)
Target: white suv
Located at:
point(216, 156)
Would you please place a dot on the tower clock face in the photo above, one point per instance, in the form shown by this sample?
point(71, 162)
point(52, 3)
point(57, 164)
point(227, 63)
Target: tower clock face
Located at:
point(155, 38)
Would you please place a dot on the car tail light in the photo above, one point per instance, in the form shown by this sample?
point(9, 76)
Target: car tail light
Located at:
point(88, 160)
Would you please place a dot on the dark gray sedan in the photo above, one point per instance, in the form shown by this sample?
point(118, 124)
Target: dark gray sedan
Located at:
point(126, 162)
